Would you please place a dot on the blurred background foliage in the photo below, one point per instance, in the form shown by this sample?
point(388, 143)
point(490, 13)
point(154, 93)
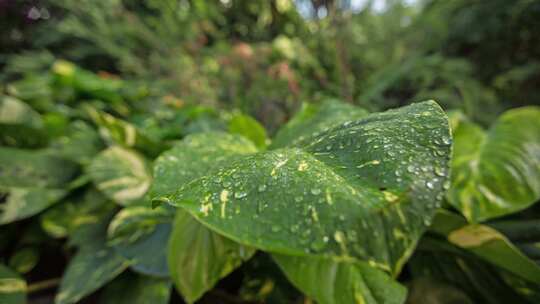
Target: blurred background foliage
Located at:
point(266, 57)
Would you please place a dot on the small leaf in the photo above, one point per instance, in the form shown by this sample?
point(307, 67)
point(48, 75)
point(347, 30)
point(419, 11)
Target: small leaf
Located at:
point(335, 282)
point(20, 125)
point(24, 260)
point(249, 128)
point(496, 172)
point(117, 131)
point(122, 174)
point(12, 287)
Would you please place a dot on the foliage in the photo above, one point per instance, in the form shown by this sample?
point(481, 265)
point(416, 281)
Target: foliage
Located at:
point(254, 152)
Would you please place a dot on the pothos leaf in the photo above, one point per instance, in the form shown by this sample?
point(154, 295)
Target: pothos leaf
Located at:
point(487, 243)
point(364, 190)
point(496, 172)
point(333, 282)
point(197, 256)
point(117, 131)
point(122, 174)
point(138, 234)
point(249, 128)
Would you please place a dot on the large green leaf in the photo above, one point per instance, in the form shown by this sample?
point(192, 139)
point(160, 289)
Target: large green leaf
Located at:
point(139, 234)
point(331, 282)
point(496, 172)
point(362, 190)
point(137, 289)
point(314, 118)
point(12, 287)
point(197, 256)
point(122, 174)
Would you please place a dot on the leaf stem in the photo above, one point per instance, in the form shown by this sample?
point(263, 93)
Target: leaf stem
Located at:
point(42, 285)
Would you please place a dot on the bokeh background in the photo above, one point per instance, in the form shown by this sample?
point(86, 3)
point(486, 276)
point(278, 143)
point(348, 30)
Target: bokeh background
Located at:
point(266, 57)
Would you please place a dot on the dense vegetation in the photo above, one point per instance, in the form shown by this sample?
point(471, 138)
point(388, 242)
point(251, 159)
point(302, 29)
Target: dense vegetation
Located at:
point(269, 152)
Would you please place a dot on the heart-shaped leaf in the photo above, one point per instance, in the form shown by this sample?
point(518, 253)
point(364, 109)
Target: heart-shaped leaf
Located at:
point(496, 172)
point(363, 190)
point(122, 174)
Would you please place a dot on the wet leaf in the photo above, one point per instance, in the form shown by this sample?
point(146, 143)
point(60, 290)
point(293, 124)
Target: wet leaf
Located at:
point(362, 190)
point(496, 172)
point(122, 174)
point(197, 256)
point(333, 282)
point(314, 118)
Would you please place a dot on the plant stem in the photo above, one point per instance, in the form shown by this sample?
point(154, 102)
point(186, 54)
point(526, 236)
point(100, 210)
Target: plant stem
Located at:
point(42, 285)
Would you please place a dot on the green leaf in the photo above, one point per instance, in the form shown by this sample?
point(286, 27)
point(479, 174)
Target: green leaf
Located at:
point(334, 282)
point(315, 118)
point(492, 246)
point(486, 243)
point(136, 289)
point(199, 258)
point(117, 131)
point(24, 260)
point(34, 168)
point(12, 287)
point(363, 190)
point(80, 143)
point(92, 267)
point(249, 128)
point(21, 203)
point(139, 235)
point(88, 207)
point(122, 174)
point(496, 172)
point(20, 125)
